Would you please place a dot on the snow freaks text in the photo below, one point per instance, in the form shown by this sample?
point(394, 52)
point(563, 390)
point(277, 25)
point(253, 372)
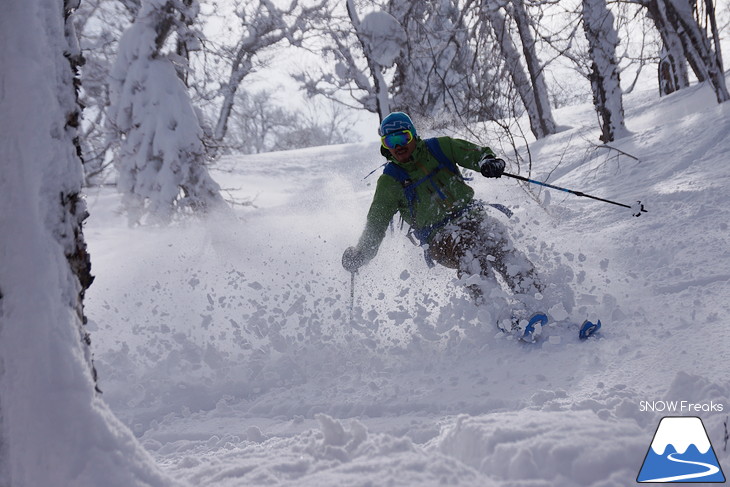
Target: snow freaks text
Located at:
point(680, 407)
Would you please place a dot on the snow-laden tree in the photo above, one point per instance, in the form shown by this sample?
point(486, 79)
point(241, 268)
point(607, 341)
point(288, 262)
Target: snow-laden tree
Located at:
point(363, 50)
point(100, 24)
point(598, 25)
point(438, 65)
point(448, 71)
point(429, 70)
point(410, 56)
point(54, 428)
point(162, 159)
point(381, 37)
point(529, 84)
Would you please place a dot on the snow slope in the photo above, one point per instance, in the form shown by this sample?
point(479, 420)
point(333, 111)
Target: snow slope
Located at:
point(227, 348)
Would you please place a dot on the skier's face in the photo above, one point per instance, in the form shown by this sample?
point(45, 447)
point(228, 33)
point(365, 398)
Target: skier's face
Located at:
point(400, 143)
point(402, 153)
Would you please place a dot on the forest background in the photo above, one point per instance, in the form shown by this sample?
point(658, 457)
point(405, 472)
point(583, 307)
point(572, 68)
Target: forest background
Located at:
point(268, 75)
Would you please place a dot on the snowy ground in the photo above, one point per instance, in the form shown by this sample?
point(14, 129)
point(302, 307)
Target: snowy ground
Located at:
point(227, 348)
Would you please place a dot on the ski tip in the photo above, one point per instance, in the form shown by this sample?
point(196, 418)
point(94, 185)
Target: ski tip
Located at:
point(588, 329)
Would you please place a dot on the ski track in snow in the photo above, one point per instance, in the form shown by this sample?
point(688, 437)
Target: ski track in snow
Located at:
point(711, 470)
point(225, 345)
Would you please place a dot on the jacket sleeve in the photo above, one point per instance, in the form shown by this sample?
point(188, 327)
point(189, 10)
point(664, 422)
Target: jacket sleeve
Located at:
point(382, 209)
point(464, 153)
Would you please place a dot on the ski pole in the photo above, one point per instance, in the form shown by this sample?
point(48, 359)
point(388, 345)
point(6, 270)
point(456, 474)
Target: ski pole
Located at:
point(352, 294)
point(638, 208)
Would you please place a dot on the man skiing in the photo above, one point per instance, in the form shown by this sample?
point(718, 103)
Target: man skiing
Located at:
point(422, 182)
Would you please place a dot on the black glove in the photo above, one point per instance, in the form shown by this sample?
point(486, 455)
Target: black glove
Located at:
point(352, 259)
point(491, 167)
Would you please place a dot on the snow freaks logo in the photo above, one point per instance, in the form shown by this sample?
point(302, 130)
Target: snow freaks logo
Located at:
point(681, 452)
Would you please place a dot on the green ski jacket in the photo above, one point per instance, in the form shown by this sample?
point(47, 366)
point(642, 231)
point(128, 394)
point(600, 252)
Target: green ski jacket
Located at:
point(430, 207)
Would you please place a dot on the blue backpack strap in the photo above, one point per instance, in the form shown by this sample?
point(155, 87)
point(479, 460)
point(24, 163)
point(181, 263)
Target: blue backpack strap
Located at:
point(409, 185)
point(409, 191)
point(435, 149)
point(396, 172)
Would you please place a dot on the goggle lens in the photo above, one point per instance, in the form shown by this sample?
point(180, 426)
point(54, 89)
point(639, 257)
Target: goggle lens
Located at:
point(402, 137)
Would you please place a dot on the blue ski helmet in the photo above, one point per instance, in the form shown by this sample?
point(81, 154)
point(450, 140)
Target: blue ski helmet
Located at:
point(397, 121)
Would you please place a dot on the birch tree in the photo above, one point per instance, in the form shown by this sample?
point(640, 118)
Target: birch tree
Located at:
point(672, 73)
point(604, 76)
point(530, 84)
point(685, 41)
point(162, 159)
point(534, 67)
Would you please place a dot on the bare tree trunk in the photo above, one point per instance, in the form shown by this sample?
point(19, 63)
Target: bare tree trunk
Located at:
point(604, 76)
point(239, 70)
point(185, 44)
point(539, 87)
point(515, 69)
point(710, 7)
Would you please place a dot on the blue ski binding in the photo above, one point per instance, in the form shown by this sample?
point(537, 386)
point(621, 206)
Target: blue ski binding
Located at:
point(540, 318)
point(588, 329)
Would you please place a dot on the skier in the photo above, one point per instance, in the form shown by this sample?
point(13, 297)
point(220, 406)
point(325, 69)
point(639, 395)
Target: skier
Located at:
point(422, 182)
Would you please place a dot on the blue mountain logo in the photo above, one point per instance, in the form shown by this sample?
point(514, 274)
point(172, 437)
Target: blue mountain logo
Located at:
point(681, 452)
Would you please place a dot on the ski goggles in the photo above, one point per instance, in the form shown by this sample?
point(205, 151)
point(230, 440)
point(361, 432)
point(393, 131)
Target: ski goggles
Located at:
point(402, 137)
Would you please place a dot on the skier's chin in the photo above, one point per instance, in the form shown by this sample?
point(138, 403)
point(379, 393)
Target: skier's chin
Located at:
point(402, 154)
